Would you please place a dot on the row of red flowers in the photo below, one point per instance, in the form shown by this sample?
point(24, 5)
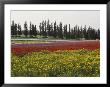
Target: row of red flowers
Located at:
point(21, 49)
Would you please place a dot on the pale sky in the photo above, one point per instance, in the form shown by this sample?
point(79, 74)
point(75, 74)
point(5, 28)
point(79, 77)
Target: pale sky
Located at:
point(80, 18)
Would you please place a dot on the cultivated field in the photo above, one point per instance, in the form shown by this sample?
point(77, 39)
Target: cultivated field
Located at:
point(60, 58)
point(24, 47)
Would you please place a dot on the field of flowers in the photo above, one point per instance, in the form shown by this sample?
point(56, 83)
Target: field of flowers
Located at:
point(56, 60)
point(22, 47)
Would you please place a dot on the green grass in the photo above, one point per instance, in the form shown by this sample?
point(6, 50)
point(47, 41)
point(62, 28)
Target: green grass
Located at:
point(34, 37)
point(29, 41)
point(74, 63)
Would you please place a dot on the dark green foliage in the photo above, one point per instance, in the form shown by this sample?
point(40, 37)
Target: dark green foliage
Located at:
point(14, 29)
point(25, 29)
point(33, 30)
point(19, 30)
point(57, 31)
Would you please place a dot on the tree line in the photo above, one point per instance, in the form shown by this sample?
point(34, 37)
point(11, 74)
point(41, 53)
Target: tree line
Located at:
point(57, 31)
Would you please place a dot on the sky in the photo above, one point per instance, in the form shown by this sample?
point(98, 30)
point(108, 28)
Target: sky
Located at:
point(80, 18)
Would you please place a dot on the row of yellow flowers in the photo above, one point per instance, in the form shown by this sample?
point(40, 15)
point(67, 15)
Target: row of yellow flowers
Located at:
point(67, 63)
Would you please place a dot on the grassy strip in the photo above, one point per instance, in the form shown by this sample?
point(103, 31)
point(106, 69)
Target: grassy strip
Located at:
point(29, 41)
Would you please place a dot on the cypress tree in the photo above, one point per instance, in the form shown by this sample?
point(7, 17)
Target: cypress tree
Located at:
point(19, 30)
point(25, 29)
point(55, 30)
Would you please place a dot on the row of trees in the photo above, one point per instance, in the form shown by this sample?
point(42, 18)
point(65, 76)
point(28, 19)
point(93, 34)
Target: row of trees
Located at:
point(59, 31)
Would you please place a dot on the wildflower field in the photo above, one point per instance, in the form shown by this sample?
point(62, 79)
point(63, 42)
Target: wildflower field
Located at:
point(55, 59)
